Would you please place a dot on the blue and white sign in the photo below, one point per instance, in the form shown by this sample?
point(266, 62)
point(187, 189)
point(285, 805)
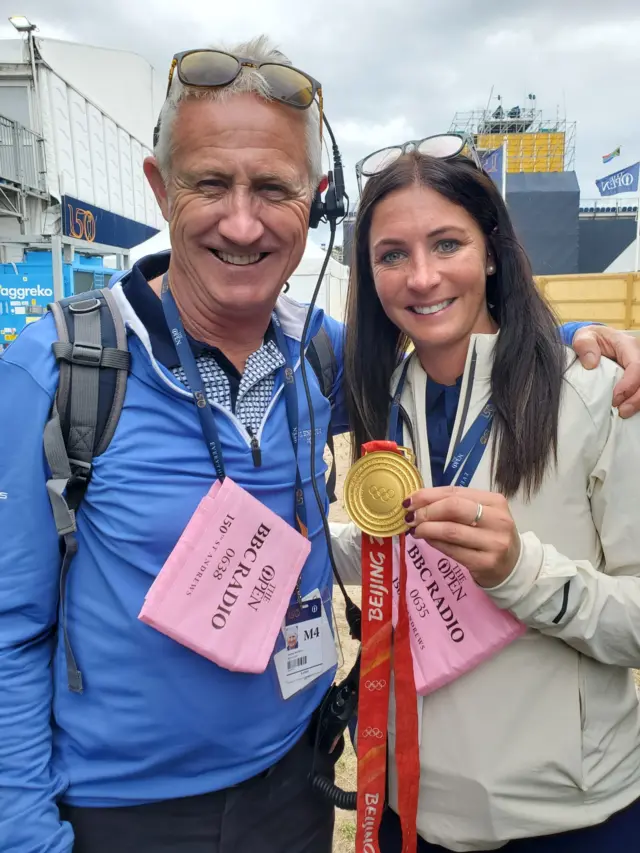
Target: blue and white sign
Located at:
point(624, 181)
point(492, 163)
point(92, 224)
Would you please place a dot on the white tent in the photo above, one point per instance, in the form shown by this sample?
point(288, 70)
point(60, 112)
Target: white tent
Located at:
point(158, 243)
point(302, 283)
point(333, 291)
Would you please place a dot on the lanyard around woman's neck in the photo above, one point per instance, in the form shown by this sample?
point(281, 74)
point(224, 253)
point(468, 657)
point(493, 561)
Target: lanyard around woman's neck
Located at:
point(468, 452)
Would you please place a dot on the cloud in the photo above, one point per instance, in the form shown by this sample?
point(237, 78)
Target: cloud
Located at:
point(392, 69)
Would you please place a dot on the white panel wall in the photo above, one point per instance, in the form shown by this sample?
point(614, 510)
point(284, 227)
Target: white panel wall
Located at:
point(92, 158)
point(62, 136)
point(98, 158)
point(138, 181)
point(113, 166)
point(48, 132)
point(81, 151)
point(150, 203)
point(121, 84)
point(126, 172)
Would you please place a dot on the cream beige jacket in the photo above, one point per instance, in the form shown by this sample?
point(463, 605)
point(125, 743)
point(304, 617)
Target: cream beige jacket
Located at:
point(544, 737)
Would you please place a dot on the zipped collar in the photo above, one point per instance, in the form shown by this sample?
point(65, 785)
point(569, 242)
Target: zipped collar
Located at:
point(480, 354)
point(476, 382)
point(291, 314)
point(474, 393)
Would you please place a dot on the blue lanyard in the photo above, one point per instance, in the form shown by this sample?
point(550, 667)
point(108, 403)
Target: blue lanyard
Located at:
point(293, 417)
point(205, 413)
point(188, 362)
point(469, 452)
point(394, 429)
point(467, 455)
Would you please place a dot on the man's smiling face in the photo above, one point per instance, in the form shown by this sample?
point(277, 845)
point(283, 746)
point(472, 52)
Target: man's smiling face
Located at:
point(237, 198)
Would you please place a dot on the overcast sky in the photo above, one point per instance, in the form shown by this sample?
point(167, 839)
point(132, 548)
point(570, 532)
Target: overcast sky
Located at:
point(393, 70)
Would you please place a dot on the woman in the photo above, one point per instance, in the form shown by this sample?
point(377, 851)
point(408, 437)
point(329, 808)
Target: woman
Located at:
point(538, 748)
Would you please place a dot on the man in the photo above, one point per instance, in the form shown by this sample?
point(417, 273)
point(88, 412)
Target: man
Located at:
point(165, 752)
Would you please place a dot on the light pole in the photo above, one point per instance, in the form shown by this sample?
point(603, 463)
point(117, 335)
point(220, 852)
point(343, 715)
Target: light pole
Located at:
point(24, 25)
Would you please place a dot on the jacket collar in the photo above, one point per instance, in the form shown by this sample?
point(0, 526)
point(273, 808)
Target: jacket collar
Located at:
point(482, 345)
point(291, 314)
point(474, 393)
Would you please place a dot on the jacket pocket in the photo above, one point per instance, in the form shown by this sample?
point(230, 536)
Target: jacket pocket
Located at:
point(609, 719)
point(583, 699)
point(582, 695)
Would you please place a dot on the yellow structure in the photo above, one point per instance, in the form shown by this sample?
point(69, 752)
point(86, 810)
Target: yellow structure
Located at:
point(528, 152)
point(536, 141)
point(611, 298)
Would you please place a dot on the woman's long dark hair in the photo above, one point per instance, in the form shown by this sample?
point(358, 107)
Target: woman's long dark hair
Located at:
point(526, 377)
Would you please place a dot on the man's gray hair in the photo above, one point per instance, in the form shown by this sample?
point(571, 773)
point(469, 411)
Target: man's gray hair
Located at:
point(258, 50)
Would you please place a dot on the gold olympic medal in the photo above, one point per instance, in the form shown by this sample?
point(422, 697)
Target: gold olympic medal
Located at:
point(374, 490)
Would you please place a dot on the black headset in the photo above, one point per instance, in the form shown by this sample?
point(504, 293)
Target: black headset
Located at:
point(331, 719)
point(333, 207)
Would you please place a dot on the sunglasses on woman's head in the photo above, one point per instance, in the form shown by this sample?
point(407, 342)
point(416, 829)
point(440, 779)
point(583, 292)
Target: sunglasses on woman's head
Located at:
point(212, 69)
point(443, 146)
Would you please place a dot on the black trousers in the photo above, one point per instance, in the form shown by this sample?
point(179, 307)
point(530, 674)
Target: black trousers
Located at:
point(619, 834)
point(276, 812)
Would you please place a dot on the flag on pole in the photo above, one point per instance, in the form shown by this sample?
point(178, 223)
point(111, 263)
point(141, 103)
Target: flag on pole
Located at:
point(624, 181)
point(607, 158)
point(494, 164)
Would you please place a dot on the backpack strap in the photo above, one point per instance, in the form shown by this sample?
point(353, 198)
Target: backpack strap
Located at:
point(93, 360)
point(322, 359)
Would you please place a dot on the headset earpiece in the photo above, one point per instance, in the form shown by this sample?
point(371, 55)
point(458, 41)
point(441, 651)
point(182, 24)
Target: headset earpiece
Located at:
point(332, 208)
point(317, 210)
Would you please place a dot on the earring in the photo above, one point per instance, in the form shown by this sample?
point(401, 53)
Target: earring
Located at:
point(490, 269)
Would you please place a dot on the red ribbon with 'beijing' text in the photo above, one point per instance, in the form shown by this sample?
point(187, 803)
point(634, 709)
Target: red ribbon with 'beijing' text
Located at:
point(373, 707)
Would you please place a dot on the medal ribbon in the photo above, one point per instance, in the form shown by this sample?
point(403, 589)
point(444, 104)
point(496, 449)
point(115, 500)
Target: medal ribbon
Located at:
point(375, 675)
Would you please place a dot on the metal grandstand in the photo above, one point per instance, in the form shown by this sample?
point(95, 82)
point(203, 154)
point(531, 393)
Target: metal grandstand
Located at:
point(607, 207)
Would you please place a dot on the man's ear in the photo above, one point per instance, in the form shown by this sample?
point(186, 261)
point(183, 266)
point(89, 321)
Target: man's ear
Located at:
point(156, 182)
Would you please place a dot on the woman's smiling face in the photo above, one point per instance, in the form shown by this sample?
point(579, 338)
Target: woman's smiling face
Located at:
point(429, 261)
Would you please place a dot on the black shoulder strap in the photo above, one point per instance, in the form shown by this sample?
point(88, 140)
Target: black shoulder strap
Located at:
point(93, 359)
point(322, 359)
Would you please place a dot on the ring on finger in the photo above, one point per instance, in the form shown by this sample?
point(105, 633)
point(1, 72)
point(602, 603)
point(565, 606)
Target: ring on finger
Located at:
point(478, 516)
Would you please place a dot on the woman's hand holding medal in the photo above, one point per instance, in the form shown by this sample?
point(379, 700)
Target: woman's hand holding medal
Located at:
point(473, 527)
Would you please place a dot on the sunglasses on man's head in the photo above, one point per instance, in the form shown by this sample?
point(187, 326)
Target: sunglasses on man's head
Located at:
point(212, 69)
point(443, 146)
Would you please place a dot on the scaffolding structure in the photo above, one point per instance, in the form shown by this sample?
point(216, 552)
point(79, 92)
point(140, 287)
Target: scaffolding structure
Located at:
point(22, 170)
point(536, 142)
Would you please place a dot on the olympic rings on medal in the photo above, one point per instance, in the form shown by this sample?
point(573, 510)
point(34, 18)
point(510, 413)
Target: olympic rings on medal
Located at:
point(381, 493)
